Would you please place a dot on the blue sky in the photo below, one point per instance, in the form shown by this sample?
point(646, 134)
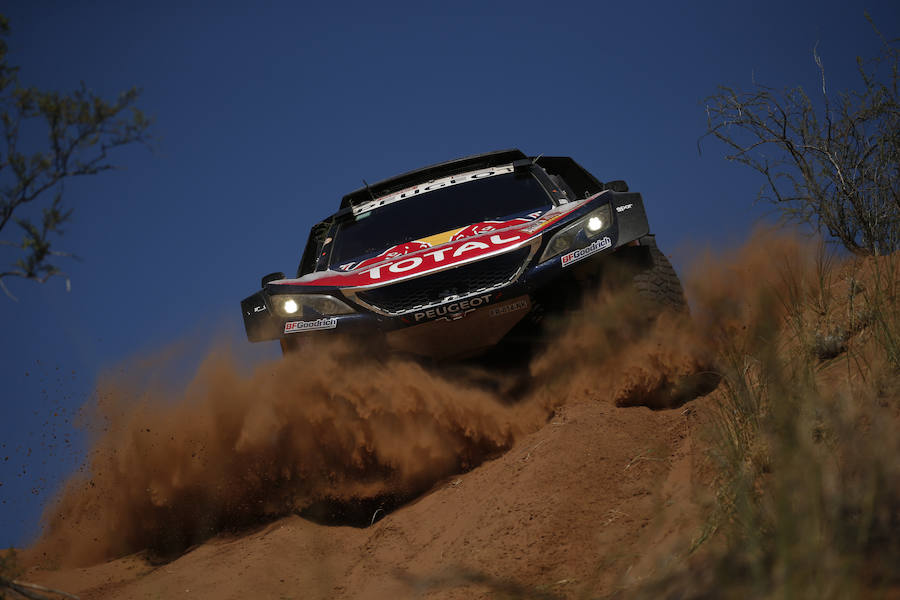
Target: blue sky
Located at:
point(266, 115)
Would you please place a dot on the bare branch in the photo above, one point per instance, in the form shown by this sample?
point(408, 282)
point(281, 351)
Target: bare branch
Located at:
point(6, 290)
point(82, 131)
point(839, 173)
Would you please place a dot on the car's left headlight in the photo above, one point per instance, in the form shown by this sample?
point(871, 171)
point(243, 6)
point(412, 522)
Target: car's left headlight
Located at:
point(306, 305)
point(580, 233)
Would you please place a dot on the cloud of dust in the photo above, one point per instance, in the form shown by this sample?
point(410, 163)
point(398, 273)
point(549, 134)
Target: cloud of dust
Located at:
point(231, 449)
point(617, 348)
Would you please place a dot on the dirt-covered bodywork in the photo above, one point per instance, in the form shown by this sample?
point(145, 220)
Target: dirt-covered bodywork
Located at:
point(450, 260)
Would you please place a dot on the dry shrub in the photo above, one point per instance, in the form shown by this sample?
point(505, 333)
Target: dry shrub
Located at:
point(806, 441)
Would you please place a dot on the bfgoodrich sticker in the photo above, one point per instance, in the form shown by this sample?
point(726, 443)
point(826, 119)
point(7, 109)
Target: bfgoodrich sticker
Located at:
point(295, 326)
point(574, 257)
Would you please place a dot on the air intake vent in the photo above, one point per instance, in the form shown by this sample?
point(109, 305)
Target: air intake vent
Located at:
point(468, 280)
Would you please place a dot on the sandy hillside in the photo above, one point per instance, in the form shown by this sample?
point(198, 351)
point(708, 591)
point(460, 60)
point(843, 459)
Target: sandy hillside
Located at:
point(595, 500)
point(591, 482)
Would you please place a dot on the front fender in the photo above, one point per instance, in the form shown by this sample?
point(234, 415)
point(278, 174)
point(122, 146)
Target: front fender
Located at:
point(260, 322)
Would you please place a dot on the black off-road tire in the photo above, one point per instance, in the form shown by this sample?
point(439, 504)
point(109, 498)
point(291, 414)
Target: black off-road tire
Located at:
point(656, 281)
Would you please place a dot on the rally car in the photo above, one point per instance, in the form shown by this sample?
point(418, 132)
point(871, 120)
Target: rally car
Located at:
point(453, 259)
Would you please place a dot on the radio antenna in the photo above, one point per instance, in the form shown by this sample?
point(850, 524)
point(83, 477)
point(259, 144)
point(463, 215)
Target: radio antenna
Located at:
point(368, 189)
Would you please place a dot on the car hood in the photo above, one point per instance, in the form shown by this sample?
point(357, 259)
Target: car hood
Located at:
point(436, 253)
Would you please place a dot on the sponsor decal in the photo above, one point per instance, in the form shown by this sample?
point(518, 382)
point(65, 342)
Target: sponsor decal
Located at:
point(553, 215)
point(508, 308)
point(454, 235)
point(438, 255)
point(435, 184)
point(257, 309)
point(395, 251)
point(453, 310)
point(295, 326)
point(444, 255)
point(624, 207)
point(595, 247)
point(486, 227)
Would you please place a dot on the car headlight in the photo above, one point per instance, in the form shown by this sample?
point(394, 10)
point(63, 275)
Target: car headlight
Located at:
point(308, 305)
point(580, 233)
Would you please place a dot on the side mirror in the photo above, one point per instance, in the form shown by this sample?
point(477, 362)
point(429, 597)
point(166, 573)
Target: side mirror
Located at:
point(617, 186)
point(523, 165)
point(272, 277)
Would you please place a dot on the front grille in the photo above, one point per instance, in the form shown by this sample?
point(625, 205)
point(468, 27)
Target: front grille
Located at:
point(467, 280)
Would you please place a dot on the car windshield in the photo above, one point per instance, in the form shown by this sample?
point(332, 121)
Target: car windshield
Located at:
point(489, 199)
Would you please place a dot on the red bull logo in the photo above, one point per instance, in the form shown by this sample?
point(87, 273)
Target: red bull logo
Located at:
point(486, 227)
point(394, 252)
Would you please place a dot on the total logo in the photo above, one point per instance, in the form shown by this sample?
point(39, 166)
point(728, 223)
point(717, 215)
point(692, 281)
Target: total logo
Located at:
point(447, 254)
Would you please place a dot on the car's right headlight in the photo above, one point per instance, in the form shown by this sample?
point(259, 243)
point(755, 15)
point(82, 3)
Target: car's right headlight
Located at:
point(308, 305)
point(580, 233)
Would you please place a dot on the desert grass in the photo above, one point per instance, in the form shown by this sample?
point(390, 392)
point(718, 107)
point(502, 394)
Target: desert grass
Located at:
point(804, 439)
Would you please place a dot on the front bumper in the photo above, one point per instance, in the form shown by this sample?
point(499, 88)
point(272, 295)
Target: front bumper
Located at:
point(458, 311)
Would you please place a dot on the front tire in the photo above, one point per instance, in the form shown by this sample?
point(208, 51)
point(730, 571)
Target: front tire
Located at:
point(656, 281)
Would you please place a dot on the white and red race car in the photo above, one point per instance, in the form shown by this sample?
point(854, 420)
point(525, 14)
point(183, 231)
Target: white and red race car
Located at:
point(453, 259)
